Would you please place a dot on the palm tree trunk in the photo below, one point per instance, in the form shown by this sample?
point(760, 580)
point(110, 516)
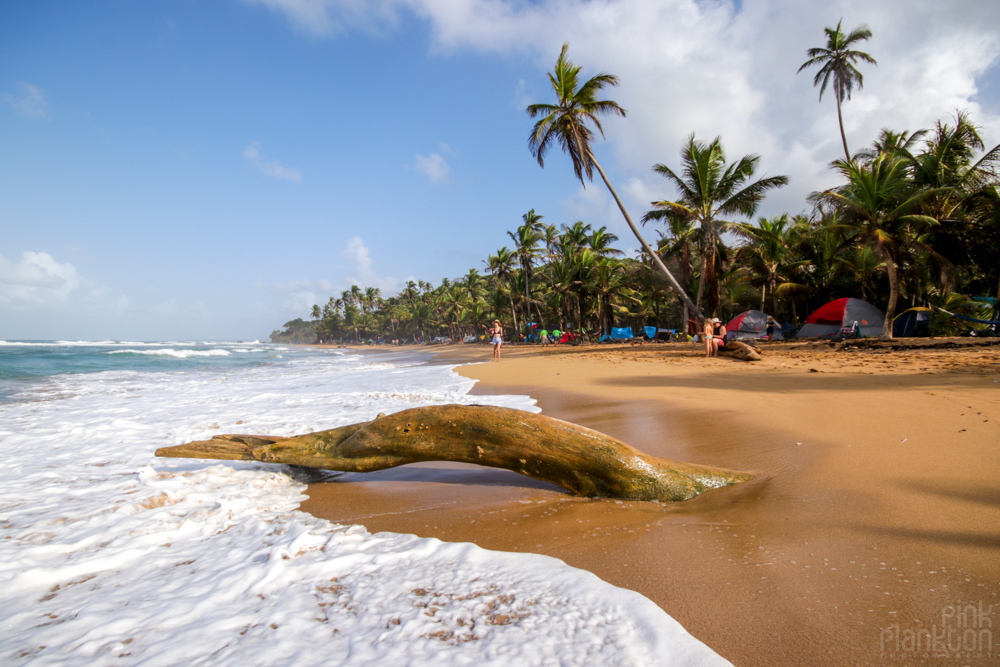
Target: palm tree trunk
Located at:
point(890, 309)
point(774, 298)
point(843, 136)
point(645, 246)
point(513, 313)
point(701, 282)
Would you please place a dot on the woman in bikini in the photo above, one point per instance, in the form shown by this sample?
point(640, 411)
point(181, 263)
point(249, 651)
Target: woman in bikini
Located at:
point(715, 336)
point(496, 337)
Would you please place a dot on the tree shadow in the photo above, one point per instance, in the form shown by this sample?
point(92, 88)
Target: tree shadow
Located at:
point(982, 495)
point(791, 381)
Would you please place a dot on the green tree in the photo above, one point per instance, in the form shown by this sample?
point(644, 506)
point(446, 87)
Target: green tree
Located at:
point(878, 205)
point(568, 123)
point(770, 256)
point(526, 241)
point(501, 267)
point(836, 62)
point(710, 189)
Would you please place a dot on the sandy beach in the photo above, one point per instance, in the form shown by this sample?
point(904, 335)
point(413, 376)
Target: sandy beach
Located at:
point(870, 535)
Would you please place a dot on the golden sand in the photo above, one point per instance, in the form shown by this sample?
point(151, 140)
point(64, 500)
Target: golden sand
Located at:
point(875, 511)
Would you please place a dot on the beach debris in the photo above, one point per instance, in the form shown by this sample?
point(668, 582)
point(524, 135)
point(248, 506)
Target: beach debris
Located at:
point(736, 349)
point(580, 460)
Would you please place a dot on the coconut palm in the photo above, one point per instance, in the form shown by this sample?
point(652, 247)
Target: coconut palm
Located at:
point(600, 242)
point(574, 237)
point(710, 189)
point(865, 265)
point(770, 256)
point(611, 286)
point(879, 206)
point(526, 241)
point(679, 239)
point(836, 62)
point(501, 267)
point(568, 123)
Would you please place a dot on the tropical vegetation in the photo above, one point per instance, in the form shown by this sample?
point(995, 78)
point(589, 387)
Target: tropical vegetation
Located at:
point(912, 220)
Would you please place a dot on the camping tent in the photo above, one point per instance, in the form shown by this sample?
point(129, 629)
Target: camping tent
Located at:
point(751, 324)
point(830, 319)
point(912, 322)
point(655, 333)
point(618, 333)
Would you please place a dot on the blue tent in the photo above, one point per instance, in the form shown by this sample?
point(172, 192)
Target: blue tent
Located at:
point(618, 333)
point(651, 332)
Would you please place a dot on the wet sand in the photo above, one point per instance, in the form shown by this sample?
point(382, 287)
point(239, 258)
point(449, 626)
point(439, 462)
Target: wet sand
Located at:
point(875, 512)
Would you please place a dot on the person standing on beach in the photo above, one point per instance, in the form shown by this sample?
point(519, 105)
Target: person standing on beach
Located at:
point(715, 336)
point(496, 337)
point(770, 327)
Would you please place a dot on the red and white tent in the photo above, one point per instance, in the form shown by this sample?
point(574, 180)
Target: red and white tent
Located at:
point(843, 315)
point(751, 324)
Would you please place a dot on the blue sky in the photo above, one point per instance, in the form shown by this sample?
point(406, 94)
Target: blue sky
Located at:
point(208, 170)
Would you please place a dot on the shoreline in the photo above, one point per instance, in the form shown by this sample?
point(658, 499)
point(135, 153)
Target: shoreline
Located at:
point(875, 503)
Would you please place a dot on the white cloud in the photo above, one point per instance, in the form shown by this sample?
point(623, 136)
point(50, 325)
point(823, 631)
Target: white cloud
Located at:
point(721, 69)
point(271, 168)
point(38, 281)
point(27, 101)
point(333, 17)
point(303, 294)
point(35, 280)
point(434, 167)
point(360, 271)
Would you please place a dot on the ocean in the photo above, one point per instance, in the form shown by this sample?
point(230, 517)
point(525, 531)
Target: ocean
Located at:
point(109, 555)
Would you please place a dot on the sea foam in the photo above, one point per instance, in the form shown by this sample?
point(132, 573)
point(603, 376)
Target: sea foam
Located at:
point(109, 555)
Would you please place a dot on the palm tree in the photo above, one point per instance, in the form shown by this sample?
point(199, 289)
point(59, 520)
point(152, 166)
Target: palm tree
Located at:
point(501, 267)
point(837, 62)
point(568, 123)
point(574, 237)
point(710, 188)
point(611, 285)
point(600, 242)
point(679, 239)
point(865, 265)
point(526, 241)
point(877, 204)
point(770, 256)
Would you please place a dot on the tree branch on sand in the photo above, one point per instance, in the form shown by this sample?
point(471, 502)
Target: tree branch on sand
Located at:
point(582, 461)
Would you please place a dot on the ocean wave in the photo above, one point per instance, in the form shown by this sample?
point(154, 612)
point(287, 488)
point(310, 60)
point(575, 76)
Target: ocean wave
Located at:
point(177, 354)
point(83, 343)
point(115, 552)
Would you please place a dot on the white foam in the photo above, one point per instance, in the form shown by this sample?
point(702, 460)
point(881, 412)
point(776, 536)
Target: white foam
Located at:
point(111, 556)
point(85, 343)
point(178, 354)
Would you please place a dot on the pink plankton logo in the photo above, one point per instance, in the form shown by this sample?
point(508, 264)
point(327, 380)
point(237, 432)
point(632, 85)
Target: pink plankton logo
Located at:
point(965, 631)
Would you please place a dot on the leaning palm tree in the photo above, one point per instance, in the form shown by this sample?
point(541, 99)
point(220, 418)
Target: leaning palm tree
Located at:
point(837, 62)
point(709, 189)
point(568, 123)
point(679, 240)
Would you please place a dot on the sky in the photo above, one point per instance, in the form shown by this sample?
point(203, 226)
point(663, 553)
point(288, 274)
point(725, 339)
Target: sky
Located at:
point(190, 170)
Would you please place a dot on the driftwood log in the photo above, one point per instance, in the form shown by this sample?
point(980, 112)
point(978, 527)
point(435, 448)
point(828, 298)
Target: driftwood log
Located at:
point(737, 349)
point(584, 462)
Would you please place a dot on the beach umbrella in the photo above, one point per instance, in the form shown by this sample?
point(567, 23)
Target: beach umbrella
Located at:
point(841, 315)
point(751, 324)
point(911, 323)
